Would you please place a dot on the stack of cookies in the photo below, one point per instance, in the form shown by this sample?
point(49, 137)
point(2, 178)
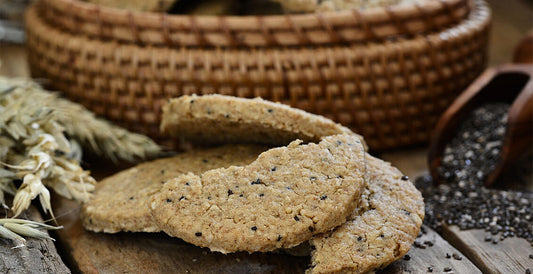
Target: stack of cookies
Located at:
point(276, 178)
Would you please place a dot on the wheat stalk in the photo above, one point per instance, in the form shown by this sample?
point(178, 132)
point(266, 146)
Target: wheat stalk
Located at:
point(35, 149)
point(80, 124)
point(14, 229)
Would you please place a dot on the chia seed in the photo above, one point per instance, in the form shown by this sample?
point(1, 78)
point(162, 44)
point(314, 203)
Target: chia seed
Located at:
point(463, 200)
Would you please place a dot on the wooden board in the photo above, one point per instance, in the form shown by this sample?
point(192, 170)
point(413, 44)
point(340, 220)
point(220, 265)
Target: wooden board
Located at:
point(508, 256)
point(38, 256)
point(430, 255)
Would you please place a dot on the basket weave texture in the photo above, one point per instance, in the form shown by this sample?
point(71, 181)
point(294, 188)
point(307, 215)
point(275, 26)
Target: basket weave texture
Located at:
point(390, 90)
point(159, 29)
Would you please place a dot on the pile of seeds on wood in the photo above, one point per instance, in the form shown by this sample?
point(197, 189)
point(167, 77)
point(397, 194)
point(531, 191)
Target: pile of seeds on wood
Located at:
point(463, 200)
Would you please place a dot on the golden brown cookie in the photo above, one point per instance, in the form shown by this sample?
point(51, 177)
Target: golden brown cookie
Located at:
point(278, 201)
point(379, 232)
point(216, 119)
point(121, 202)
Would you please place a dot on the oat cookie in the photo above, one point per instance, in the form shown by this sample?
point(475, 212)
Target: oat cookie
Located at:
point(212, 119)
point(121, 202)
point(280, 200)
point(379, 232)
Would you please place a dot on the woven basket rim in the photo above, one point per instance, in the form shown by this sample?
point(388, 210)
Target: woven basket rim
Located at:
point(479, 17)
point(400, 19)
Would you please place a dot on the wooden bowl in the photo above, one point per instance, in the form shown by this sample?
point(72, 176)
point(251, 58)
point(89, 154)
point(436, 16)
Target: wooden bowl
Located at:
point(507, 83)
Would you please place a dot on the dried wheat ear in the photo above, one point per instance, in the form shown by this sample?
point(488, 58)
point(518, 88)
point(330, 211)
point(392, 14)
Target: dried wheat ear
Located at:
point(34, 148)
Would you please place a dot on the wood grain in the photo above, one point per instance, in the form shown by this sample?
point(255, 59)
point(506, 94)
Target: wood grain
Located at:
point(432, 257)
point(38, 256)
point(508, 256)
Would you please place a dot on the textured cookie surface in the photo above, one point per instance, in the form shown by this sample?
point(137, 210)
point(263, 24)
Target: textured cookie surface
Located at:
point(215, 119)
point(379, 232)
point(121, 202)
point(280, 200)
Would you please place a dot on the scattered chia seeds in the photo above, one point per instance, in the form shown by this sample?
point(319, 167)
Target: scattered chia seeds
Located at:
point(463, 200)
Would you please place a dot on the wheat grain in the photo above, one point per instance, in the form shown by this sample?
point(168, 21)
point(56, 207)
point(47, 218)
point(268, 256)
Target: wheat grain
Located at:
point(80, 124)
point(8, 234)
point(35, 149)
point(27, 231)
point(14, 229)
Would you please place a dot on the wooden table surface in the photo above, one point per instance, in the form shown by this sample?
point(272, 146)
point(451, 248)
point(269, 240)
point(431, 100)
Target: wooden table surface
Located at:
point(84, 251)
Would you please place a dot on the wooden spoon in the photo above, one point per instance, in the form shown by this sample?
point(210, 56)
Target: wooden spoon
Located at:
point(511, 84)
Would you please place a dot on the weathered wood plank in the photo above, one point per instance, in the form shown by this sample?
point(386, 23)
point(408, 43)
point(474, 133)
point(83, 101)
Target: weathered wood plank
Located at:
point(508, 256)
point(89, 252)
point(430, 257)
point(38, 256)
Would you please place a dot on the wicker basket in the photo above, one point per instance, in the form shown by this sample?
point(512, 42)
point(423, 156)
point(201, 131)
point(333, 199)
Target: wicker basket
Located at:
point(391, 90)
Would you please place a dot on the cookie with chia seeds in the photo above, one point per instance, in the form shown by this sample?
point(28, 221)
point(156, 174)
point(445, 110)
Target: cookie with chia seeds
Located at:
point(380, 231)
point(121, 202)
point(278, 201)
point(215, 119)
